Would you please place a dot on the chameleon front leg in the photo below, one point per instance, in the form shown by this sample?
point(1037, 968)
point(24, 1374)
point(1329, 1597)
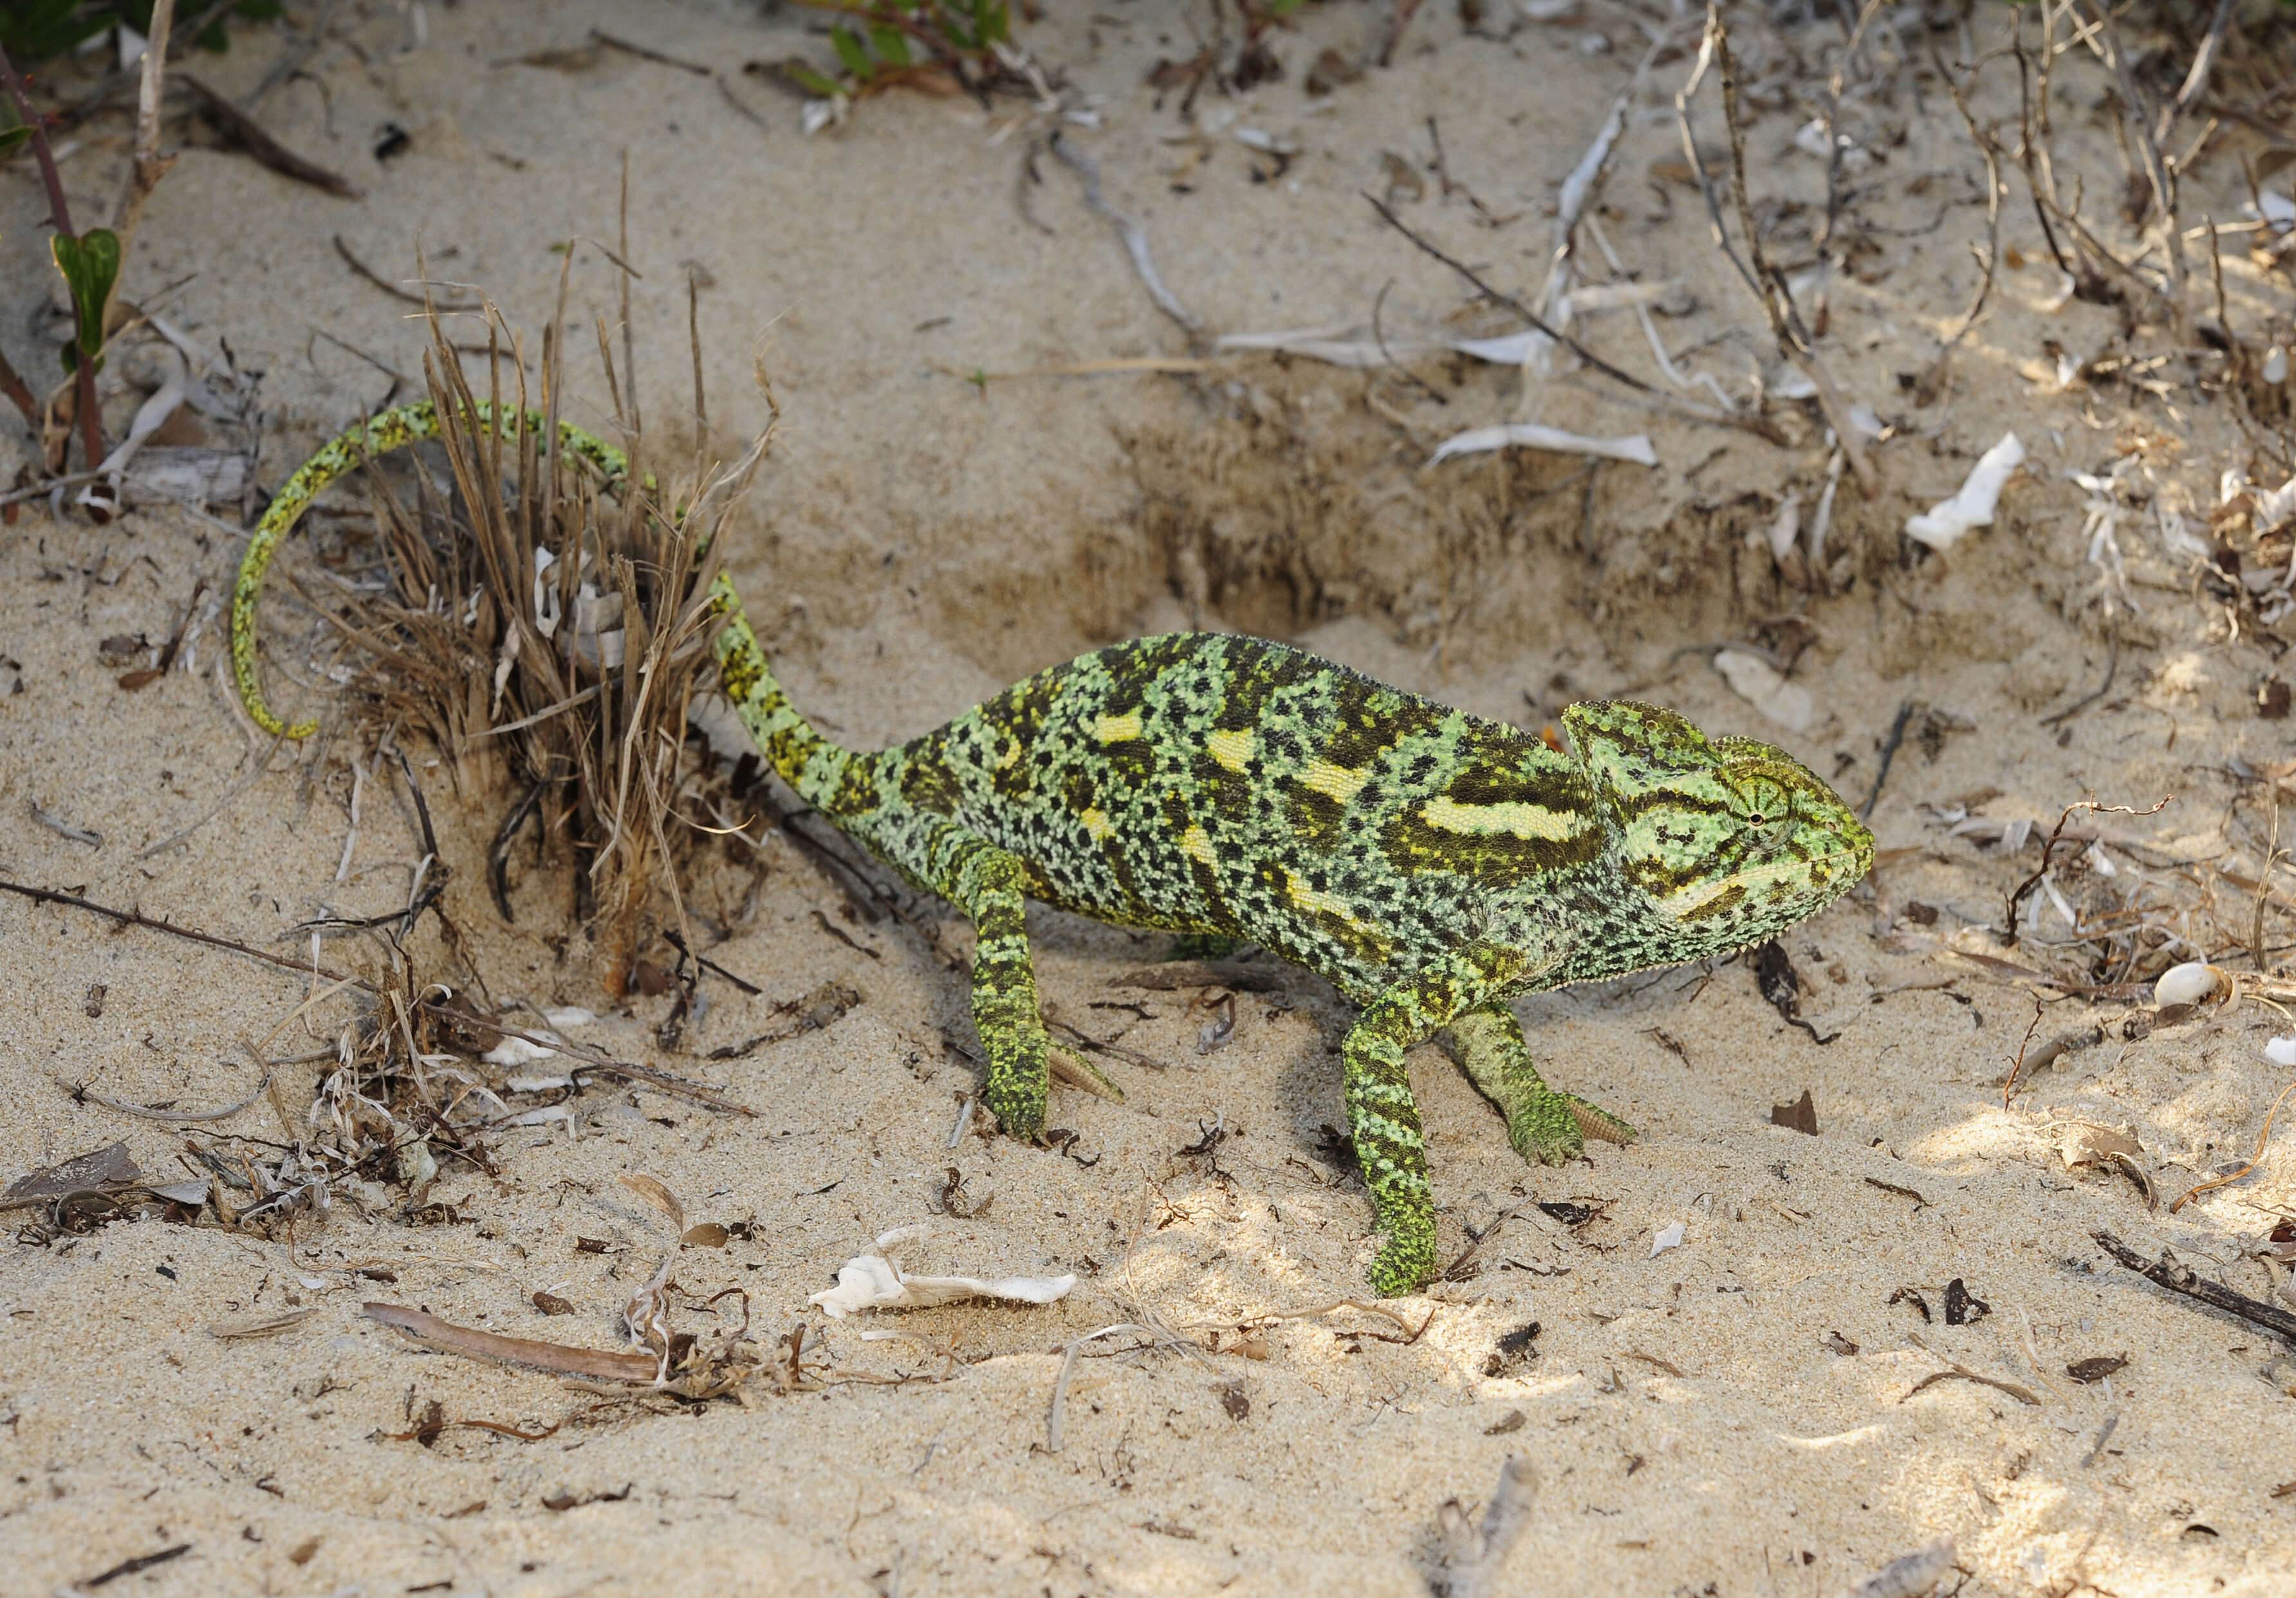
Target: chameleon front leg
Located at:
point(986, 884)
point(1384, 1118)
point(1547, 1127)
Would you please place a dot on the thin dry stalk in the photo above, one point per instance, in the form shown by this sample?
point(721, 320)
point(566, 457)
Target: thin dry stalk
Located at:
point(149, 166)
point(550, 627)
point(1793, 340)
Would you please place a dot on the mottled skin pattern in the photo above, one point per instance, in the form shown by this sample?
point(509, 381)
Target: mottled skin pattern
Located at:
point(1430, 864)
point(406, 424)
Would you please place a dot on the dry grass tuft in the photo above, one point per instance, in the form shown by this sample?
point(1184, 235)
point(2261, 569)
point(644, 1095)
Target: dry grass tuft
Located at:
point(545, 626)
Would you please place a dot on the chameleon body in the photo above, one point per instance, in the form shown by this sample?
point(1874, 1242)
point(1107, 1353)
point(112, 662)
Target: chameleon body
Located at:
point(1429, 863)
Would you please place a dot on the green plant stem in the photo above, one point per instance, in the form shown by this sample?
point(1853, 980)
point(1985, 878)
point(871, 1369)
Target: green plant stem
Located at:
point(91, 424)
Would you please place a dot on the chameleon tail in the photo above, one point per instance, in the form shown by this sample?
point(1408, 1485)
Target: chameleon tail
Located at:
point(807, 762)
point(378, 435)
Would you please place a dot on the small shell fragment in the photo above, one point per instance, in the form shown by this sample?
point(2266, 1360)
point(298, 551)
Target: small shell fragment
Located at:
point(1671, 1238)
point(2281, 1051)
point(2185, 984)
point(872, 1282)
point(1945, 521)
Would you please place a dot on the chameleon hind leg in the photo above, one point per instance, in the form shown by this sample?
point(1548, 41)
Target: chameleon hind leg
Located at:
point(1547, 1127)
point(988, 885)
point(1384, 1118)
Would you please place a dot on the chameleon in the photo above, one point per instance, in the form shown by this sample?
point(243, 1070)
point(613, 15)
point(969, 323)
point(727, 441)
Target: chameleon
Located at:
point(1431, 864)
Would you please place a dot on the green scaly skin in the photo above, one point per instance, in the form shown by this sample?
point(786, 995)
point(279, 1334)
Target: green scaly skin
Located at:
point(1430, 864)
point(380, 435)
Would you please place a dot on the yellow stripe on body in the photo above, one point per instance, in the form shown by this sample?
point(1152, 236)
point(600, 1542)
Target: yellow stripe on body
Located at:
point(1196, 844)
point(1118, 729)
point(1317, 903)
point(1337, 782)
point(1231, 749)
point(1512, 816)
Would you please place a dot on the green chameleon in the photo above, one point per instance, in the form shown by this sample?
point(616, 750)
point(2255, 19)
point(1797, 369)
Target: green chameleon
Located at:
point(1430, 864)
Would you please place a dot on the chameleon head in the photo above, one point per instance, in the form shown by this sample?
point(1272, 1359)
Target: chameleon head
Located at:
point(1733, 839)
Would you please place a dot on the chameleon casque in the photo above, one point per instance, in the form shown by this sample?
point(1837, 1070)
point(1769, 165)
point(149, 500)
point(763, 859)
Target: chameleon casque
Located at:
point(1429, 863)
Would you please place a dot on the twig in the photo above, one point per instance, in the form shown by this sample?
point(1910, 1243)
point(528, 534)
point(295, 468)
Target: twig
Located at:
point(707, 963)
point(2017, 1066)
point(80, 1094)
point(1793, 340)
point(1477, 1556)
point(19, 394)
point(63, 828)
point(1135, 236)
point(1379, 337)
point(149, 166)
point(1889, 748)
point(1954, 1369)
point(2057, 833)
point(592, 1059)
point(2255, 950)
point(644, 53)
point(1990, 148)
point(2132, 111)
point(432, 1332)
point(2254, 1160)
point(248, 134)
point(1056, 1418)
point(1658, 397)
point(392, 289)
point(2179, 1278)
point(130, 1566)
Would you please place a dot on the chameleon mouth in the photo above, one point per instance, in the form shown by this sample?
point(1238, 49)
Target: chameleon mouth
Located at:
point(1705, 900)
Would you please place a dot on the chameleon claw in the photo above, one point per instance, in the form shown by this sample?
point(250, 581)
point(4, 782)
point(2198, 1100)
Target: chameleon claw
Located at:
point(1545, 1131)
point(1598, 1123)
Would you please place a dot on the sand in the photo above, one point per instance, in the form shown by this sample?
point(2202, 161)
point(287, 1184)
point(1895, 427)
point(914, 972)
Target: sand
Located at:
point(1734, 1414)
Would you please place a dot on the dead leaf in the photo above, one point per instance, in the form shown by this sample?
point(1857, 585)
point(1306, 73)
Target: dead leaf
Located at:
point(1800, 1116)
point(709, 1235)
point(99, 1167)
point(2083, 1145)
point(2096, 1369)
point(654, 1193)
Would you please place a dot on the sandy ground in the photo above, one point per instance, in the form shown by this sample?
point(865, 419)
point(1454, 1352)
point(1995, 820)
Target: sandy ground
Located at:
point(1732, 1415)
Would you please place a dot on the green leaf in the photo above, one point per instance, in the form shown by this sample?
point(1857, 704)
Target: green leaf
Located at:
point(10, 137)
point(813, 82)
point(43, 29)
point(852, 51)
point(91, 266)
point(996, 20)
point(891, 43)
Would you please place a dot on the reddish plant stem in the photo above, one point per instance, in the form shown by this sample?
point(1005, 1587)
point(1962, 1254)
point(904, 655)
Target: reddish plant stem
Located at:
point(91, 424)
